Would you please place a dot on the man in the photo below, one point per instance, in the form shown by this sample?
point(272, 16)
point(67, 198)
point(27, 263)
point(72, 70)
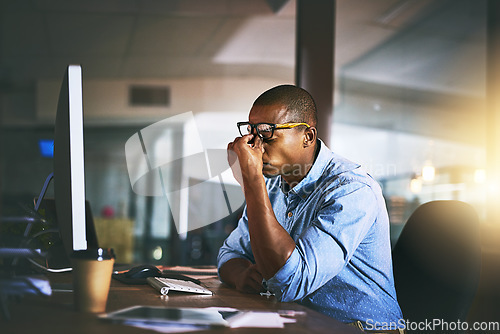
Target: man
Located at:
point(315, 228)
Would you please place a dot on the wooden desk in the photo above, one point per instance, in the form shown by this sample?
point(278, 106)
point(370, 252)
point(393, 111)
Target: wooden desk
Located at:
point(55, 315)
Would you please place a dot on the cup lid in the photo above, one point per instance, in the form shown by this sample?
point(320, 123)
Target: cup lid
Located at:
point(94, 254)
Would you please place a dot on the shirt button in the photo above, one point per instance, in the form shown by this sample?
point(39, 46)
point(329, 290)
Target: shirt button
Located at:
point(290, 214)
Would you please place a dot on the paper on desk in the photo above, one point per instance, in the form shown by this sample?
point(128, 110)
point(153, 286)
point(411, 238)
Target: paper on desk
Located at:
point(248, 319)
point(254, 319)
point(166, 328)
point(259, 319)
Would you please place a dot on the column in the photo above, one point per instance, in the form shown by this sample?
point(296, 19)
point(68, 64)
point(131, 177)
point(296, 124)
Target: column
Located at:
point(314, 58)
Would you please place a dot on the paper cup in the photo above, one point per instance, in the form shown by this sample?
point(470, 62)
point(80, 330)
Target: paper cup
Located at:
point(92, 270)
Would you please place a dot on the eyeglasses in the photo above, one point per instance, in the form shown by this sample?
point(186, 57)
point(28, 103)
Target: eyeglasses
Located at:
point(265, 130)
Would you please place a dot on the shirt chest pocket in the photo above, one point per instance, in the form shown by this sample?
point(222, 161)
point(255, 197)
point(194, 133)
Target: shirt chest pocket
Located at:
point(298, 224)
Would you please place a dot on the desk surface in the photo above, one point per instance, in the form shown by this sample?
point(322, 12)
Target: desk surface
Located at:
point(55, 314)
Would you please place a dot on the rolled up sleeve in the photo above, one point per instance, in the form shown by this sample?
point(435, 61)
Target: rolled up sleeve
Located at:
point(237, 244)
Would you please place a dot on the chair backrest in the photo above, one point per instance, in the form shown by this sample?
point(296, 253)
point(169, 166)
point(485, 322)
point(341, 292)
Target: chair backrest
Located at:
point(437, 262)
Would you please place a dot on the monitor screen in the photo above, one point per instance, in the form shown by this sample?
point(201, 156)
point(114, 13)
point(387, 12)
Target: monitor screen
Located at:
point(46, 147)
point(69, 173)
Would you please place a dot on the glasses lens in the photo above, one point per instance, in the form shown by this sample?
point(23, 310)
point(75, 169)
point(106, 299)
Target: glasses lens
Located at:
point(244, 129)
point(265, 130)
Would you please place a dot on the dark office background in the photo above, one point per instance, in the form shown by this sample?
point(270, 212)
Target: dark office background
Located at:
point(409, 100)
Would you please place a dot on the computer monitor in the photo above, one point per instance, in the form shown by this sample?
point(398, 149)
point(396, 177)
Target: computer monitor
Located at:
point(69, 172)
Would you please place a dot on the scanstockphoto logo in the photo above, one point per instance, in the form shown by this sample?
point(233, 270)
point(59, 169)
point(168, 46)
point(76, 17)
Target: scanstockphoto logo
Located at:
point(168, 159)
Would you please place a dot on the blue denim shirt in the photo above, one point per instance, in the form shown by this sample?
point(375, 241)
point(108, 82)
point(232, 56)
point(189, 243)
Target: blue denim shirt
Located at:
point(341, 265)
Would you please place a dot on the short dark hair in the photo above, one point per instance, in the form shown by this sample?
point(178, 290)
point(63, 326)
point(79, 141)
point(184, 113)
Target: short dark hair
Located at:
point(298, 102)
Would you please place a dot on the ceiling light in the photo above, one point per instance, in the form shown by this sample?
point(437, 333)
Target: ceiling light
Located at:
point(428, 173)
point(416, 185)
point(480, 176)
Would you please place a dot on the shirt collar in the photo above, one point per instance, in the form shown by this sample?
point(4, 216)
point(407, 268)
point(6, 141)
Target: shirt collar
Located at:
point(325, 158)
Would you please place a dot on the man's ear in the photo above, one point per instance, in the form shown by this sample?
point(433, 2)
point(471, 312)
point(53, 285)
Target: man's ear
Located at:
point(310, 135)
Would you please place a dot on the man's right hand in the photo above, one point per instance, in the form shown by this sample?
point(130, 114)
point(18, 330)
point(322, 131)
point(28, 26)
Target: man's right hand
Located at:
point(244, 156)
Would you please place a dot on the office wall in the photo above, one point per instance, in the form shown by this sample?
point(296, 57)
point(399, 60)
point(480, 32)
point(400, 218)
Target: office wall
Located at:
point(106, 100)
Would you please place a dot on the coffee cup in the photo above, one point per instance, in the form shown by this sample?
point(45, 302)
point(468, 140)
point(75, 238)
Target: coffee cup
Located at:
point(92, 270)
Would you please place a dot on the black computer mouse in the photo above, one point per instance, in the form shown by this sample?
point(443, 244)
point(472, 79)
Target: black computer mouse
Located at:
point(143, 271)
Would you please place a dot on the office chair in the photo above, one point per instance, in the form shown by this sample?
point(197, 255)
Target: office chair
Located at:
point(437, 262)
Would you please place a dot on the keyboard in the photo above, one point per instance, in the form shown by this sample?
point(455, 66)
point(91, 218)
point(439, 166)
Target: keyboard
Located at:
point(164, 285)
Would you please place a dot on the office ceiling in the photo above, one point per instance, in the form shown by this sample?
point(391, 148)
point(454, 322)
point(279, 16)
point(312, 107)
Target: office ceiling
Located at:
point(417, 49)
point(147, 38)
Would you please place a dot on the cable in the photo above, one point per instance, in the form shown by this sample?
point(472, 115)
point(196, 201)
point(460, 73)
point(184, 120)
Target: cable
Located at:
point(50, 270)
point(50, 230)
point(37, 206)
point(62, 270)
point(40, 198)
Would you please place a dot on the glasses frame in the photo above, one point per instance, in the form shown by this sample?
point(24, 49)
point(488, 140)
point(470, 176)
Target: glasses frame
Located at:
point(273, 127)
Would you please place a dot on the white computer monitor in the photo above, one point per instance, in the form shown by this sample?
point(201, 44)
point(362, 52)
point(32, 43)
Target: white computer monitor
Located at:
point(69, 171)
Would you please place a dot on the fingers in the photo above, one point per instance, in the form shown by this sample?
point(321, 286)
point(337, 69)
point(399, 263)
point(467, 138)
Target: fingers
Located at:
point(255, 279)
point(255, 275)
point(253, 286)
point(258, 144)
point(246, 139)
point(239, 144)
point(244, 156)
point(251, 281)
